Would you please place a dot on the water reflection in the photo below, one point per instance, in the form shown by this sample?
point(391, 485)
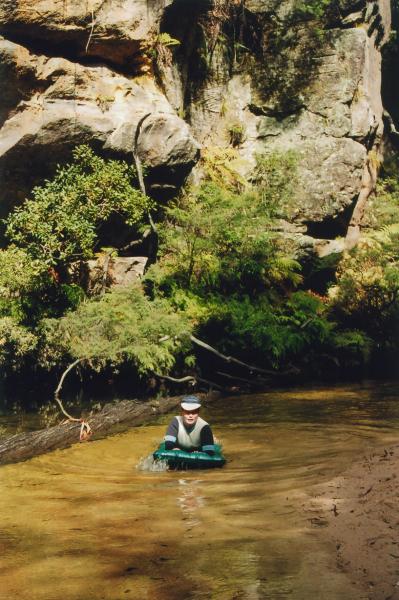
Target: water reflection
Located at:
point(86, 523)
point(190, 500)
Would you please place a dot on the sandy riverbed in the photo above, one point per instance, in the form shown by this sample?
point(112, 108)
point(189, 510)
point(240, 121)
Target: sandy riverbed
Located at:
point(358, 512)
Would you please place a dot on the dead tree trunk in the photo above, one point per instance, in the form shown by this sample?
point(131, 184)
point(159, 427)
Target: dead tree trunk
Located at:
point(368, 184)
point(127, 412)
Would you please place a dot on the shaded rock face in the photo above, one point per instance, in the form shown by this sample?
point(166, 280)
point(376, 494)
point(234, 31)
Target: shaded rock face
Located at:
point(390, 80)
point(287, 86)
point(78, 72)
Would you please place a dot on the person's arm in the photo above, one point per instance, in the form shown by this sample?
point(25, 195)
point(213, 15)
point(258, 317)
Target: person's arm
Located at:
point(171, 435)
point(207, 441)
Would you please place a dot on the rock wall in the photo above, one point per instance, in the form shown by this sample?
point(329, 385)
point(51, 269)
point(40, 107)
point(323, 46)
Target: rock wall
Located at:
point(91, 71)
point(287, 86)
point(75, 72)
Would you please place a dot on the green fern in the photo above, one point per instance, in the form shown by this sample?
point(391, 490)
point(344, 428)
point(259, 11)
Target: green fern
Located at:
point(167, 40)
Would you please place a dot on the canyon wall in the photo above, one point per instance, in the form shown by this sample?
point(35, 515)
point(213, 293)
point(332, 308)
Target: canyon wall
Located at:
point(257, 75)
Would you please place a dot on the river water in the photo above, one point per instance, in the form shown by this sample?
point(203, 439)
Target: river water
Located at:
point(86, 524)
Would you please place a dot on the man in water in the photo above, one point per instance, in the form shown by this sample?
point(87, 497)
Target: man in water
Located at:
point(188, 431)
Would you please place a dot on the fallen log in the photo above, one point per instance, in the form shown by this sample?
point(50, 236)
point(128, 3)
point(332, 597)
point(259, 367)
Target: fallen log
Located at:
point(22, 446)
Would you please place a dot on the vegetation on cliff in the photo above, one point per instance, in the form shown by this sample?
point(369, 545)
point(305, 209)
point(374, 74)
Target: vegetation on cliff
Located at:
point(62, 222)
point(225, 273)
point(366, 295)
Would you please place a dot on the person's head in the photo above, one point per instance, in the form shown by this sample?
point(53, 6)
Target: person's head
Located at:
point(190, 406)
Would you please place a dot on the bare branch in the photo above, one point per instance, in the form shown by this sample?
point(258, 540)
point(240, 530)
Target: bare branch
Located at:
point(93, 22)
point(252, 382)
point(139, 169)
point(306, 323)
point(230, 359)
point(177, 380)
point(211, 384)
point(136, 157)
point(60, 384)
point(105, 272)
point(134, 243)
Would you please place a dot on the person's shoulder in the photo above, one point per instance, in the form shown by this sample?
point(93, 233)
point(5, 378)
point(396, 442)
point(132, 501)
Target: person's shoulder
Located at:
point(174, 423)
point(202, 422)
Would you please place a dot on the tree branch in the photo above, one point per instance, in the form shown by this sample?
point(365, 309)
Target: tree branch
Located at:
point(231, 359)
point(136, 157)
point(154, 245)
point(177, 380)
point(105, 272)
point(134, 243)
point(93, 22)
point(211, 384)
point(190, 378)
point(252, 382)
point(60, 384)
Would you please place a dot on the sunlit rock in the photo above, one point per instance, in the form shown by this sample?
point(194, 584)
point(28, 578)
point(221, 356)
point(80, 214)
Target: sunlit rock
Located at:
point(279, 83)
point(59, 104)
point(109, 272)
point(113, 31)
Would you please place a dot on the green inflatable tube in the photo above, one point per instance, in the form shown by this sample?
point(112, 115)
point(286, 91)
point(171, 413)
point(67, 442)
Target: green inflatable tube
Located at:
point(180, 459)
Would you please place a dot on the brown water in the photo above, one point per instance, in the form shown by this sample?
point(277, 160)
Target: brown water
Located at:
point(85, 523)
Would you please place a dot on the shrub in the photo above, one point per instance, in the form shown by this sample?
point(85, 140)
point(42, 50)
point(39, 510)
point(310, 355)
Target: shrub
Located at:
point(271, 332)
point(216, 239)
point(19, 274)
point(275, 178)
point(17, 343)
point(29, 290)
point(367, 289)
point(366, 294)
point(236, 133)
point(315, 9)
point(61, 222)
point(123, 326)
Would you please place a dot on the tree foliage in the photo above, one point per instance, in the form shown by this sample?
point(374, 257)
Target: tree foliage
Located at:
point(122, 326)
point(224, 272)
point(366, 294)
point(17, 344)
point(19, 274)
point(367, 290)
point(61, 222)
point(225, 265)
point(312, 9)
point(216, 239)
point(30, 291)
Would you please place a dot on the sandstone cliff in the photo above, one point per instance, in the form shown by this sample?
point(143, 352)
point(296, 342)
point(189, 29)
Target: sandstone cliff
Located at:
point(246, 72)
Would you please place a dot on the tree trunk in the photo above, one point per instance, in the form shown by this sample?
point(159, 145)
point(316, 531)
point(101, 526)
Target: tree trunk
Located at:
point(368, 184)
point(127, 412)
